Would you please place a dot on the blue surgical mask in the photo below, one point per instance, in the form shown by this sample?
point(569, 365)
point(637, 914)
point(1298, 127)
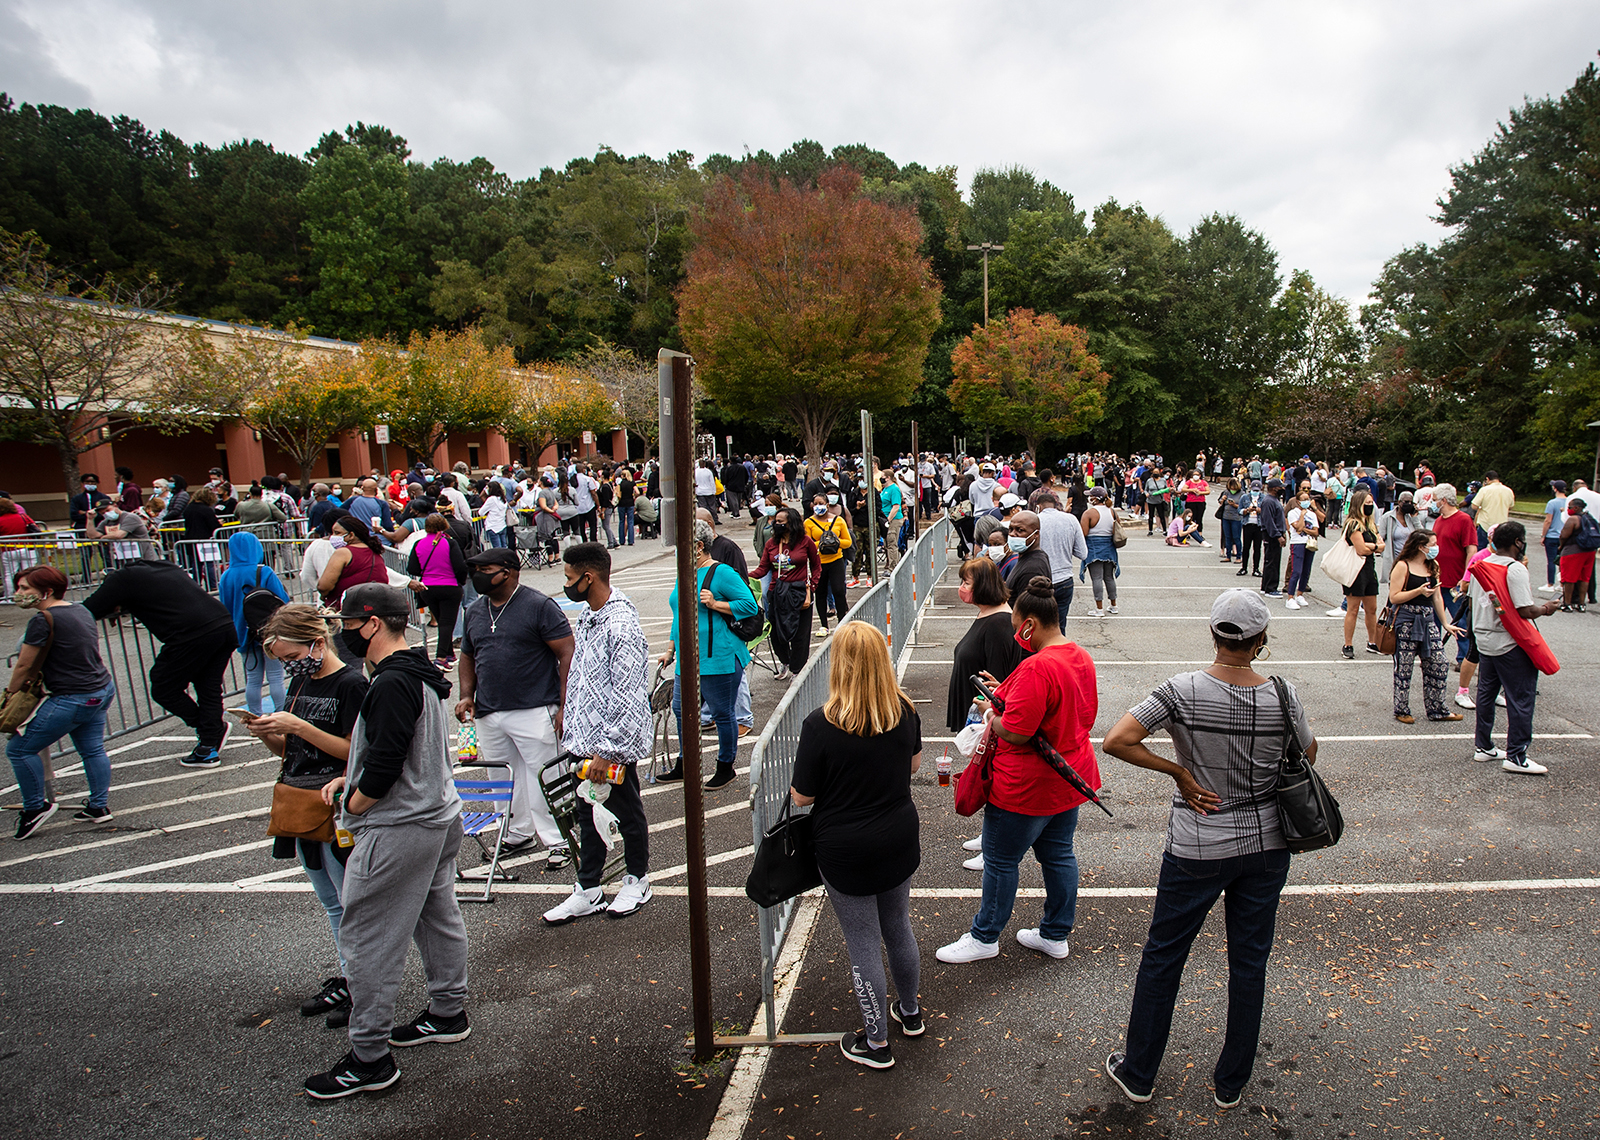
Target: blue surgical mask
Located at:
point(1433, 552)
point(833, 500)
point(1017, 544)
point(769, 511)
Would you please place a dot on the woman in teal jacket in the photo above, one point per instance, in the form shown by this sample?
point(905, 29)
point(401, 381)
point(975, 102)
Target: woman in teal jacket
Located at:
point(724, 597)
point(247, 571)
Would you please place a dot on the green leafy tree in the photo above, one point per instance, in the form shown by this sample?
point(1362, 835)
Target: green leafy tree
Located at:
point(800, 304)
point(440, 384)
point(1028, 375)
point(552, 402)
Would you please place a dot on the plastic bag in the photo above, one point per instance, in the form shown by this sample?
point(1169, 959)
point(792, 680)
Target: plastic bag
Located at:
point(967, 739)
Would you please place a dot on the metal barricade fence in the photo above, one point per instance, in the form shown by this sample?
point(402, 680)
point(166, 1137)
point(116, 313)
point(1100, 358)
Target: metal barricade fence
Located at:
point(772, 760)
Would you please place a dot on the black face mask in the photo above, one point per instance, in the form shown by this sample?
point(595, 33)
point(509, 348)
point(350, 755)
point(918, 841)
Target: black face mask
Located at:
point(357, 642)
point(483, 581)
point(575, 594)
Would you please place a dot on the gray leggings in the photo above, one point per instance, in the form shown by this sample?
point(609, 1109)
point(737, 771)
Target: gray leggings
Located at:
point(1103, 577)
point(872, 923)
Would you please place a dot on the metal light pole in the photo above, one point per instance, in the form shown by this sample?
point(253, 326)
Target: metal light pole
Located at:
point(872, 493)
point(986, 247)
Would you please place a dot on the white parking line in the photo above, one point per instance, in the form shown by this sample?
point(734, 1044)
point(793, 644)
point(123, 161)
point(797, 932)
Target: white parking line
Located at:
point(155, 831)
point(77, 769)
point(150, 868)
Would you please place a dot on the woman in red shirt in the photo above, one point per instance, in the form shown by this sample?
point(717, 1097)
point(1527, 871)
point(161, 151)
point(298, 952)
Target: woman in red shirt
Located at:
point(792, 560)
point(1194, 494)
point(1031, 806)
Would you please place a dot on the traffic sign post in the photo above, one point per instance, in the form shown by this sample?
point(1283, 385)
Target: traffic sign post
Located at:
point(380, 436)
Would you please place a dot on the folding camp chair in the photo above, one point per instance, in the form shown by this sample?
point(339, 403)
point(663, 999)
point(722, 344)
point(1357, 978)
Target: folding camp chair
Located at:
point(762, 655)
point(483, 798)
point(559, 778)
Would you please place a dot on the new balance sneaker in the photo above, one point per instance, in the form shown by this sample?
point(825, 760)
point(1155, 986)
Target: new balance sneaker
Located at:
point(30, 821)
point(910, 1023)
point(335, 995)
point(633, 895)
point(1464, 701)
point(351, 1076)
point(855, 1047)
point(1484, 755)
point(974, 844)
point(87, 814)
point(975, 863)
point(1111, 610)
point(1033, 940)
point(967, 949)
point(1525, 766)
point(425, 1028)
point(1113, 1063)
point(202, 757)
point(1227, 1100)
point(1348, 653)
point(578, 904)
point(560, 855)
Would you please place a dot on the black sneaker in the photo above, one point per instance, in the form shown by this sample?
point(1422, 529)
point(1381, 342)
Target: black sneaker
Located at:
point(1113, 1063)
point(1373, 648)
point(428, 1028)
point(335, 995)
point(351, 1076)
point(1227, 1100)
point(910, 1023)
point(1348, 653)
point(558, 858)
point(202, 757)
point(87, 814)
point(720, 779)
point(855, 1047)
point(339, 1018)
point(30, 821)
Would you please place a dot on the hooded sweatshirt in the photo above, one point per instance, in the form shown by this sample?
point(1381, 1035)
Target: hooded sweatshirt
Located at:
point(244, 573)
point(400, 747)
point(983, 491)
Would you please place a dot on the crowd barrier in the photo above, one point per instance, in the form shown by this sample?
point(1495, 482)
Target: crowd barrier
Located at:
point(893, 605)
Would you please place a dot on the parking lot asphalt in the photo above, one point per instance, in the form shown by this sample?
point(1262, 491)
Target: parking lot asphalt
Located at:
point(1434, 974)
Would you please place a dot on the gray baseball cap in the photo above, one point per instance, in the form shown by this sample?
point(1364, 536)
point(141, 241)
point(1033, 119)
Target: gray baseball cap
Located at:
point(1239, 614)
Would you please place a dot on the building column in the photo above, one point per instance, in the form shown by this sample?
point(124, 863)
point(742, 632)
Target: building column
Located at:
point(355, 456)
point(247, 460)
point(440, 459)
point(619, 445)
point(101, 461)
point(497, 449)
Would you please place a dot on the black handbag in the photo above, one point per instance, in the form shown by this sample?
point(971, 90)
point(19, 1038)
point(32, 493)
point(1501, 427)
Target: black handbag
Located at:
point(786, 862)
point(1307, 811)
point(745, 628)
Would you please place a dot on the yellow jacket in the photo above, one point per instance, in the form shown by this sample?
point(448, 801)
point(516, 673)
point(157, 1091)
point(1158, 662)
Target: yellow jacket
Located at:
point(841, 531)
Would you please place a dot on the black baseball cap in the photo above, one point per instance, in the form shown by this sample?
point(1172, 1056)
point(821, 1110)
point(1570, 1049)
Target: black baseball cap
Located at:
point(497, 556)
point(373, 599)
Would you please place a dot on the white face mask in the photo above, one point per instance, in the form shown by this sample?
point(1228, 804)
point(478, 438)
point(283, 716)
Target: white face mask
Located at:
point(998, 553)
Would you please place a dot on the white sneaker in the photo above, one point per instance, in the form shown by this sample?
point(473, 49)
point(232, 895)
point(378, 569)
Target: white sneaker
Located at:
point(1033, 940)
point(1500, 698)
point(967, 949)
point(1291, 604)
point(1464, 701)
point(975, 863)
point(1112, 610)
point(633, 895)
point(1527, 767)
point(1484, 755)
point(974, 844)
point(579, 903)
point(1335, 612)
point(1547, 589)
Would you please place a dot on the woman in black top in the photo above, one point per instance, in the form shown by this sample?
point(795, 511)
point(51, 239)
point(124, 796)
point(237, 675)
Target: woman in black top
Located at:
point(854, 762)
point(200, 523)
point(63, 649)
point(990, 644)
point(625, 493)
point(1421, 622)
point(313, 736)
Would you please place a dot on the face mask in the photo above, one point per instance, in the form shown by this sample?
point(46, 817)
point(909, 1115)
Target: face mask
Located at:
point(111, 516)
point(338, 541)
point(1017, 544)
point(28, 601)
point(998, 553)
point(769, 511)
point(1433, 552)
point(819, 510)
point(357, 642)
point(1304, 503)
point(305, 667)
point(1366, 508)
point(574, 594)
point(1024, 638)
point(863, 483)
point(833, 500)
point(482, 582)
point(119, 487)
point(91, 487)
point(964, 592)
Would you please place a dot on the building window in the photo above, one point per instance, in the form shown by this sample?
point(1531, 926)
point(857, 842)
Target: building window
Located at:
point(335, 468)
point(472, 456)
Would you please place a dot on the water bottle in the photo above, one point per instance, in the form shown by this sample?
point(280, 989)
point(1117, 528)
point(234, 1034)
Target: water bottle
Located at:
point(467, 743)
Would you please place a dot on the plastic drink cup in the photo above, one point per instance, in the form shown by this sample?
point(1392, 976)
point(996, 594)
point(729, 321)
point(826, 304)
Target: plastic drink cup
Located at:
point(944, 769)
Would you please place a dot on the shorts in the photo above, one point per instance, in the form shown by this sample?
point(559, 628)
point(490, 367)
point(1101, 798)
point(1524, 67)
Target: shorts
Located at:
point(1366, 583)
point(1577, 566)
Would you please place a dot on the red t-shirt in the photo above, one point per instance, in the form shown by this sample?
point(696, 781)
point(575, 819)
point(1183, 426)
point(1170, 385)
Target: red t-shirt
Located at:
point(1052, 691)
point(1455, 534)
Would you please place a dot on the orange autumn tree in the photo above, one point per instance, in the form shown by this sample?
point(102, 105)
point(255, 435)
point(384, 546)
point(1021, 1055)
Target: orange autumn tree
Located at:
point(803, 303)
point(1030, 375)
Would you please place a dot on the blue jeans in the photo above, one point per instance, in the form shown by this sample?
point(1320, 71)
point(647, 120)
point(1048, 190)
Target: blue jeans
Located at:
point(328, 883)
point(1007, 835)
point(79, 715)
point(625, 525)
point(1232, 538)
point(259, 665)
point(741, 705)
point(1063, 592)
point(1552, 559)
point(718, 691)
point(494, 538)
point(1185, 894)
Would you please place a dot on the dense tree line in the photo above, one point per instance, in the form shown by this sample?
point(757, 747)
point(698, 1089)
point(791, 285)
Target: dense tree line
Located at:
point(1479, 350)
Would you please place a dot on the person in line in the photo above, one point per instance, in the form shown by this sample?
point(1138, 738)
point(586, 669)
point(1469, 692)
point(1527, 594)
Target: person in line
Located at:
point(705, 488)
point(200, 524)
point(626, 493)
point(1458, 542)
point(1555, 518)
point(357, 557)
point(1195, 492)
point(722, 597)
point(831, 536)
point(1421, 623)
point(1394, 528)
point(197, 638)
point(853, 766)
point(989, 646)
point(1062, 540)
point(1158, 490)
point(796, 567)
point(516, 651)
point(438, 570)
point(608, 723)
point(730, 554)
point(1361, 531)
point(1101, 562)
point(1223, 839)
point(1503, 665)
point(1022, 539)
point(1274, 537)
point(1304, 521)
point(1577, 564)
point(1031, 805)
point(1232, 522)
point(1184, 530)
point(264, 518)
point(1249, 507)
point(496, 530)
point(399, 804)
point(312, 735)
point(248, 572)
point(126, 531)
point(61, 646)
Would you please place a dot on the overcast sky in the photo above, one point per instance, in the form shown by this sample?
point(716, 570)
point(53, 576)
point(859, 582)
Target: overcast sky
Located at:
point(1328, 126)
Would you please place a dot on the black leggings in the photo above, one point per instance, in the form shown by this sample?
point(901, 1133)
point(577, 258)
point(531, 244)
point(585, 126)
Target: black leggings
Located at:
point(1157, 515)
point(1251, 548)
point(445, 604)
point(831, 585)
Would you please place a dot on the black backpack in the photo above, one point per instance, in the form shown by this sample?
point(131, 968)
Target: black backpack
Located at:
point(258, 605)
point(828, 543)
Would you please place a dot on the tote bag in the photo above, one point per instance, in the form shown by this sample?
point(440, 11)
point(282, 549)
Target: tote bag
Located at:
point(1342, 563)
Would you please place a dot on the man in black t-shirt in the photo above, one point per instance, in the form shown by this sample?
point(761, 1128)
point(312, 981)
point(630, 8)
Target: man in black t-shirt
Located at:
point(1023, 530)
point(197, 642)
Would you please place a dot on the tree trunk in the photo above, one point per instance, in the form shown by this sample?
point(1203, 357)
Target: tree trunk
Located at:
point(69, 452)
point(305, 475)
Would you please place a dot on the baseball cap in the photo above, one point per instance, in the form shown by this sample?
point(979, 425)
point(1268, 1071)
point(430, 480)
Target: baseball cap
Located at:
point(1239, 614)
point(497, 556)
point(1008, 500)
point(373, 599)
point(1097, 493)
point(1559, 485)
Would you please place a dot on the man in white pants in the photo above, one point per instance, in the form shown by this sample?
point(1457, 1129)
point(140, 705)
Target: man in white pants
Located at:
point(516, 649)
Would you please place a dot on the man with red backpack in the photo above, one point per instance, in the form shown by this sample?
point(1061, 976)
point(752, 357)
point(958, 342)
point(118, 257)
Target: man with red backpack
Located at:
point(1511, 652)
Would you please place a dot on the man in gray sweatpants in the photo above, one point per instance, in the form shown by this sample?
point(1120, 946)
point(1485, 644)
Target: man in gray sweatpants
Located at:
point(404, 818)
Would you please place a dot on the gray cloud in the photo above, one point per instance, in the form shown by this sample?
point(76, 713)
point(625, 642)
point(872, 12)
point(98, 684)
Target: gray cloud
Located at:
point(1329, 127)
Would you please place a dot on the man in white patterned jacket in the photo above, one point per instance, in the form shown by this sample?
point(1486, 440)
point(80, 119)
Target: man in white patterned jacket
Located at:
point(607, 719)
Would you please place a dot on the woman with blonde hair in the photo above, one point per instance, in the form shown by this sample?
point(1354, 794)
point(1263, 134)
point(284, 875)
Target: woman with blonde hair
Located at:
point(854, 763)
